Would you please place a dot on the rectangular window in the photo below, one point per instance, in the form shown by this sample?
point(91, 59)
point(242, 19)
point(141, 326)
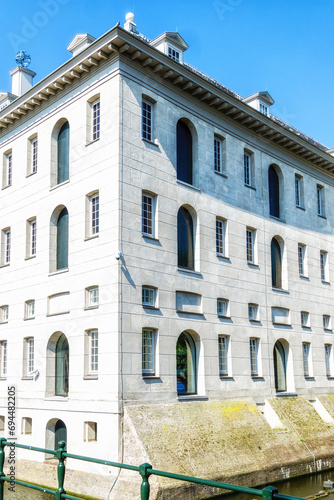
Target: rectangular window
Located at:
point(26, 426)
point(147, 125)
point(320, 200)
point(96, 120)
point(299, 191)
point(253, 312)
point(218, 155)
point(306, 355)
point(305, 319)
point(223, 307)
point(30, 355)
point(148, 296)
point(263, 109)
point(247, 169)
point(29, 309)
point(2, 425)
point(173, 54)
point(6, 246)
point(254, 350)
point(31, 237)
point(220, 237)
point(148, 352)
point(250, 245)
point(34, 155)
point(148, 214)
point(93, 351)
point(301, 259)
point(323, 266)
point(95, 214)
point(4, 314)
point(326, 322)
point(328, 359)
point(90, 431)
point(223, 346)
point(3, 358)
point(92, 296)
point(7, 170)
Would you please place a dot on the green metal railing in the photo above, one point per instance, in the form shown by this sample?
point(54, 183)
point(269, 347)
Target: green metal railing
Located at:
point(145, 471)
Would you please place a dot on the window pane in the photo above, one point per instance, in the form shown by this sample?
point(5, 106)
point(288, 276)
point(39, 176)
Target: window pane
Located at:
point(147, 214)
point(146, 121)
point(62, 240)
point(253, 356)
point(148, 351)
point(223, 347)
point(218, 155)
point(96, 121)
point(63, 153)
point(95, 207)
point(93, 351)
point(220, 237)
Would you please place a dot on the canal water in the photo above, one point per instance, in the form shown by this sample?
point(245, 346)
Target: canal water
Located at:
point(301, 487)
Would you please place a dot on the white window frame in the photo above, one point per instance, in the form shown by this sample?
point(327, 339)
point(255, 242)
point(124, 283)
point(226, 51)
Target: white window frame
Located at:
point(248, 174)
point(302, 264)
point(307, 365)
point(94, 201)
point(147, 120)
point(149, 296)
point(224, 355)
point(253, 312)
point(221, 246)
point(26, 425)
point(29, 309)
point(3, 358)
point(7, 175)
point(305, 319)
point(299, 191)
point(93, 352)
point(218, 155)
point(326, 322)
point(4, 312)
point(148, 214)
point(31, 238)
point(30, 355)
point(96, 119)
point(173, 53)
point(90, 431)
point(329, 360)
point(92, 297)
point(251, 245)
point(6, 246)
point(149, 343)
point(320, 200)
point(264, 109)
point(223, 308)
point(254, 349)
point(324, 266)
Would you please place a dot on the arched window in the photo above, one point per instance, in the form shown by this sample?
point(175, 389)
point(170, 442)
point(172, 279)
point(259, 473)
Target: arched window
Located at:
point(62, 240)
point(184, 153)
point(273, 180)
point(280, 365)
point(186, 364)
point(62, 366)
point(55, 431)
point(185, 239)
point(63, 153)
point(276, 264)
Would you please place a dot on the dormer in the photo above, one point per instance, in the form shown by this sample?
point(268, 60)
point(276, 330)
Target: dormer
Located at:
point(171, 44)
point(260, 101)
point(5, 99)
point(79, 43)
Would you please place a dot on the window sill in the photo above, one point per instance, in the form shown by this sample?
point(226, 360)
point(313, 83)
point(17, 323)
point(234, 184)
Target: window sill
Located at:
point(257, 377)
point(3, 378)
point(250, 187)
point(60, 271)
point(92, 142)
point(90, 307)
point(57, 314)
point(59, 185)
point(328, 330)
point(3, 322)
point(309, 377)
point(5, 187)
point(221, 316)
point(192, 397)
point(151, 377)
point(189, 312)
point(221, 174)
point(30, 257)
point(286, 325)
point(152, 308)
point(300, 208)
point(56, 398)
point(285, 394)
point(324, 282)
point(226, 377)
point(90, 377)
point(28, 377)
point(277, 218)
point(253, 266)
point(280, 290)
point(305, 278)
point(30, 174)
point(152, 143)
point(256, 321)
point(5, 265)
point(91, 237)
point(223, 257)
point(329, 377)
point(185, 184)
point(322, 216)
point(189, 271)
point(306, 328)
point(149, 237)
point(28, 319)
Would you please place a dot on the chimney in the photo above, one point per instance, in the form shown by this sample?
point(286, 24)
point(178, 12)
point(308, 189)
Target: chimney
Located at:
point(130, 25)
point(22, 80)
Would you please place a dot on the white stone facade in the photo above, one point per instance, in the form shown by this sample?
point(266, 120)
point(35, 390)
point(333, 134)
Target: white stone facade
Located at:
point(120, 70)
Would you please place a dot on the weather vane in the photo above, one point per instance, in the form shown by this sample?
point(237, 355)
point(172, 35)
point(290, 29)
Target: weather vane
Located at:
point(23, 58)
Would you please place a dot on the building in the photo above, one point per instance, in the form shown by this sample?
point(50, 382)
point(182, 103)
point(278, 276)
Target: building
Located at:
point(163, 240)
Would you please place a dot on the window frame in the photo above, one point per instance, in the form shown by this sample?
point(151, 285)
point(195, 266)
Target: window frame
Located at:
point(299, 191)
point(248, 168)
point(302, 263)
point(264, 109)
point(7, 171)
point(3, 359)
point(31, 238)
point(251, 253)
point(321, 200)
point(148, 215)
point(153, 295)
point(221, 231)
point(88, 292)
point(218, 161)
point(93, 352)
point(147, 120)
point(324, 266)
point(90, 430)
point(305, 319)
point(224, 355)
point(4, 314)
point(254, 349)
point(253, 307)
point(329, 359)
point(307, 365)
point(26, 426)
point(149, 367)
point(6, 238)
point(326, 322)
point(223, 308)
point(27, 304)
point(173, 53)
point(96, 119)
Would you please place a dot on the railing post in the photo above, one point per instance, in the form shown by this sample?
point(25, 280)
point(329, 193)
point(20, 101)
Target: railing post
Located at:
point(268, 493)
point(2, 461)
point(60, 470)
point(145, 485)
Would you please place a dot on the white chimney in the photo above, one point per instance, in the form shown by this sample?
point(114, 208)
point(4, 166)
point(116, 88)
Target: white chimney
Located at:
point(130, 25)
point(22, 80)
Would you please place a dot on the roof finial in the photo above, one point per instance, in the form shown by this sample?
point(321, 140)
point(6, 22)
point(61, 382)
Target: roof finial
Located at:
point(130, 25)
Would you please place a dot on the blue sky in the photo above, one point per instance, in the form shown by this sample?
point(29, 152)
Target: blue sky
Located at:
point(283, 46)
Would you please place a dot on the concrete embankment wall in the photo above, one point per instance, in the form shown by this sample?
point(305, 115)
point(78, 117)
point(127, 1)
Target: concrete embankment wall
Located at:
point(229, 441)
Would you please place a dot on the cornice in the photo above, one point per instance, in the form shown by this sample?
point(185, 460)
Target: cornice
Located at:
point(192, 82)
